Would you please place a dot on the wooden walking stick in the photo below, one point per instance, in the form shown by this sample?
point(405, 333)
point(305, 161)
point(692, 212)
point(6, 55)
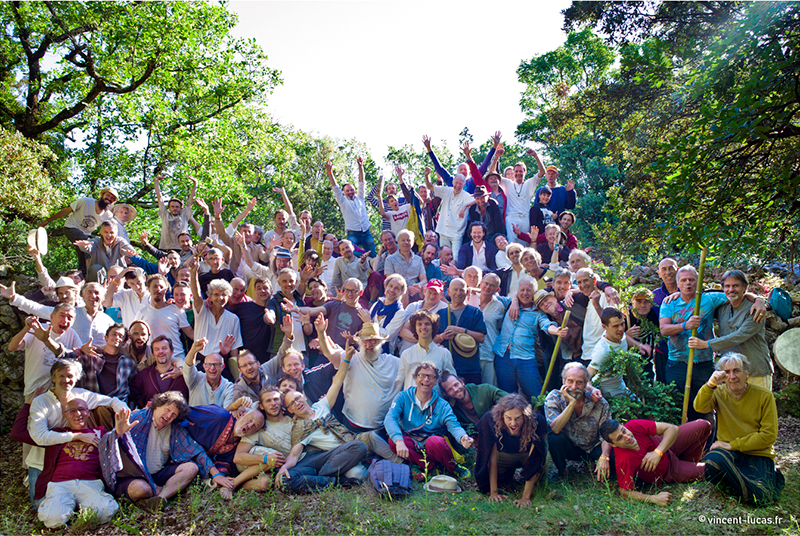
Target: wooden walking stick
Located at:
point(698, 296)
point(555, 353)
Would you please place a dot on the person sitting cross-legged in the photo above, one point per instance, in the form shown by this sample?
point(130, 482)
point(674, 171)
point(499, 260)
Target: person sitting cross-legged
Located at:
point(743, 457)
point(418, 421)
point(155, 460)
point(656, 452)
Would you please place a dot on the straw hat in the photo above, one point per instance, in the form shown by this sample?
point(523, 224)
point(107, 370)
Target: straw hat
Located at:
point(130, 208)
point(370, 330)
point(465, 344)
point(110, 190)
point(65, 281)
point(443, 484)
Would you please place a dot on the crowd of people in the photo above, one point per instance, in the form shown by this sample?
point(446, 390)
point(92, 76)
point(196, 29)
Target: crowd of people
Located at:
point(291, 357)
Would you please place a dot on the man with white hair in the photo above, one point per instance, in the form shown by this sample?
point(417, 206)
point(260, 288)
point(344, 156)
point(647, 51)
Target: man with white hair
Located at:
point(744, 454)
point(209, 387)
point(214, 322)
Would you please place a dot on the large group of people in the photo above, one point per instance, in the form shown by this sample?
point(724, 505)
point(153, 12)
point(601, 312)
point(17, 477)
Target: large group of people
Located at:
point(290, 357)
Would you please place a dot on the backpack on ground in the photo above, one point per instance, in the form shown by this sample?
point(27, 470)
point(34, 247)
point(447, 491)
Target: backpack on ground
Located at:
point(391, 480)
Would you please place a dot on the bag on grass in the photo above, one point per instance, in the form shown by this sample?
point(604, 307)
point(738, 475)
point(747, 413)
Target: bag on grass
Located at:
point(390, 480)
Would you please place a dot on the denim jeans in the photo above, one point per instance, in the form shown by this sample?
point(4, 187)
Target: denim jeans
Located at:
point(511, 372)
point(363, 239)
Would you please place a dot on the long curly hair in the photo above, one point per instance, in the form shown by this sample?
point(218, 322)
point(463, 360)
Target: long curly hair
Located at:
point(528, 432)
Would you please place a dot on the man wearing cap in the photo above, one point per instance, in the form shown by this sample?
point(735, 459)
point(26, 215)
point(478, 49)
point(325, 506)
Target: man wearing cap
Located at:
point(461, 330)
point(563, 197)
point(123, 215)
point(469, 401)
point(484, 209)
point(370, 385)
point(84, 215)
point(174, 217)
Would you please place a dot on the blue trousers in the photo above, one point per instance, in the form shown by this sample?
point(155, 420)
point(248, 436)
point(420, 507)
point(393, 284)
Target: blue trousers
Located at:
point(363, 239)
point(523, 372)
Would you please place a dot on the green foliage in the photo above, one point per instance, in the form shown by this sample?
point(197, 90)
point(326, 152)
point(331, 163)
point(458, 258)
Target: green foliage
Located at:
point(788, 400)
point(696, 128)
point(25, 188)
point(650, 400)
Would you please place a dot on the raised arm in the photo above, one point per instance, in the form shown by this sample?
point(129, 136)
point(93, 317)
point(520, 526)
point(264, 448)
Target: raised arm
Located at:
point(157, 190)
point(219, 227)
point(443, 173)
point(197, 297)
point(329, 172)
point(428, 183)
point(286, 203)
point(243, 214)
point(192, 194)
point(539, 164)
point(380, 199)
point(338, 379)
point(63, 213)
point(490, 155)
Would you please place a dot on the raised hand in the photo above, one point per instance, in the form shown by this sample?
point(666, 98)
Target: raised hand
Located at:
point(399, 171)
point(363, 314)
point(427, 172)
point(290, 307)
point(534, 233)
point(89, 349)
point(199, 344)
point(143, 237)
point(226, 344)
point(163, 266)
point(203, 205)
point(128, 251)
point(321, 323)
point(531, 152)
point(426, 141)
point(360, 161)
point(499, 151)
point(218, 207)
point(329, 167)
point(122, 422)
point(251, 204)
point(287, 325)
point(466, 150)
point(570, 184)
point(8, 292)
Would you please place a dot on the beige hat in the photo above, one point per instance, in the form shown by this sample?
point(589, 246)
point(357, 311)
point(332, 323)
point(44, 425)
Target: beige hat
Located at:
point(129, 207)
point(370, 330)
point(465, 344)
point(110, 190)
point(65, 281)
point(443, 484)
point(540, 295)
point(37, 239)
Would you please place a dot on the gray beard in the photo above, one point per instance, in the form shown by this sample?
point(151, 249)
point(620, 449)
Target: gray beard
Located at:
point(370, 356)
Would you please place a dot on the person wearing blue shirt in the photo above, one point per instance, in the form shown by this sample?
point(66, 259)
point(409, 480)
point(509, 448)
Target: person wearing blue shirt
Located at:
point(462, 319)
point(515, 348)
point(563, 197)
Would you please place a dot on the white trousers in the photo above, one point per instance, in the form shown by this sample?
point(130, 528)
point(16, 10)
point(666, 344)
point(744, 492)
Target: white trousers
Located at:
point(61, 499)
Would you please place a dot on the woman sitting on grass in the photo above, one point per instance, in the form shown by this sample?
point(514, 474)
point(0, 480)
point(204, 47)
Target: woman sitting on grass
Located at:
point(508, 439)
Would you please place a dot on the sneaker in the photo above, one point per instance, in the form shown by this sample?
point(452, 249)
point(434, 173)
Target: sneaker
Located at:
point(462, 472)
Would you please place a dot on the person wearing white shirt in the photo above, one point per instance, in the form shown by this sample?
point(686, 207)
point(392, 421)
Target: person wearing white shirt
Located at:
point(163, 318)
point(209, 387)
point(130, 301)
point(450, 226)
point(354, 208)
point(423, 326)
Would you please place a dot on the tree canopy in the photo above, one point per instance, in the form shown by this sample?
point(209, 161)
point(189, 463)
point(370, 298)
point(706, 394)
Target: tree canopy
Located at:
point(687, 114)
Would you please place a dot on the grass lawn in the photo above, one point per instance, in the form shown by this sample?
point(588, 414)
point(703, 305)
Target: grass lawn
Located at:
point(582, 506)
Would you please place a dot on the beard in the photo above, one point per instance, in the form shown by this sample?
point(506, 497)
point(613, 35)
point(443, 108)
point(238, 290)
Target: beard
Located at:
point(103, 204)
point(576, 393)
point(369, 355)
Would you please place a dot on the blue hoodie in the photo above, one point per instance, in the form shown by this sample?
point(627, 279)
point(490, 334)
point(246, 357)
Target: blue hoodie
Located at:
point(405, 416)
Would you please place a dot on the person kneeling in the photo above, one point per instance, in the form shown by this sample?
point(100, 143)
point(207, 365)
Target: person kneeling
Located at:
point(656, 452)
point(510, 436)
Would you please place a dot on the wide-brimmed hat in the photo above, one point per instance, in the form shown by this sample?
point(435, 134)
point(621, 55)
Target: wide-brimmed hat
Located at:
point(540, 295)
point(443, 484)
point(465, 344)
point(129, 207)
point(110, 190)
point(37, 239)
point(480, 191)
point(65, 281)
point(369, 331)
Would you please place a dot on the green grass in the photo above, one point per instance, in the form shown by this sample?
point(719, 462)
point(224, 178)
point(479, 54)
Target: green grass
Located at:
point(581, 507)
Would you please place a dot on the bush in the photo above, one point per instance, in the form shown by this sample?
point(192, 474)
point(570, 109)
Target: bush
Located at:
point(649, 399)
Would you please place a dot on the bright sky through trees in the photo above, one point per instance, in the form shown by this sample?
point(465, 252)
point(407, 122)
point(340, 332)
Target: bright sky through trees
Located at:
point(388, 72)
